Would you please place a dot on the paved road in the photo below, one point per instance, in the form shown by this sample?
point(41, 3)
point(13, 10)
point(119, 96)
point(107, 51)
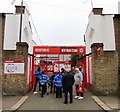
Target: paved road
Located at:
point(49, 102)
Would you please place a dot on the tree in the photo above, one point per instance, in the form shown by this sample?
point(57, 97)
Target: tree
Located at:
point(75, 58)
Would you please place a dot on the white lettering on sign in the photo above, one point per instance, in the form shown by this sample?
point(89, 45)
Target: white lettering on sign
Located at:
point(41, 50)
point(69, 50)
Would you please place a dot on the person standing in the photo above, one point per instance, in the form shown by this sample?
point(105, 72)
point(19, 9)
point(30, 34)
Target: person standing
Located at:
point(78, 81)
point(68, 81)
point(52, 87)
point(62, 71)
point(82, 73)
point(43, 79)
point(58, 85)
point(37, 73)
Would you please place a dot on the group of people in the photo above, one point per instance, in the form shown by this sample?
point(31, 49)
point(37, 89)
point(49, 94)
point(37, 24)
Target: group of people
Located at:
point(61, 83)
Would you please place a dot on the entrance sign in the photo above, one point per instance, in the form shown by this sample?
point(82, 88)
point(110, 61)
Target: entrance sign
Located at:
point(58, 50)
point(14, 67)
point(45, 50)
point(72, 50)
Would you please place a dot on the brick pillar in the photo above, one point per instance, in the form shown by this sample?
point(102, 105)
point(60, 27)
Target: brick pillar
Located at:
point(104, 70)
point(2, 23)
point(22, 54)
point(116, 20)
point(2, 27)
point(16, 83)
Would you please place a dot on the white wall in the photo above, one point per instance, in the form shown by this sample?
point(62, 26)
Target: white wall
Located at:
point(119, 7)
point(11, 31)
point(11, 35)
point(102, 28)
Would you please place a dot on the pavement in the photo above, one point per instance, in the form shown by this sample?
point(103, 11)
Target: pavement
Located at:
point(107, 103)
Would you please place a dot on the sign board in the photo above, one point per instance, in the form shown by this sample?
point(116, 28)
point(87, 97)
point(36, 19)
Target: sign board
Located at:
point(98, 50)
point(49, 67)
point(56, 67)
point(62, 66)
point(58, 50)
point(72, 50)
point(68, 66)
point(45, 50)
point(14, 67)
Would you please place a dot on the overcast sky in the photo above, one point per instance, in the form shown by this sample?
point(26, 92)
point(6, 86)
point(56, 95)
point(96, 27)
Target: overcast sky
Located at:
point(61, 22)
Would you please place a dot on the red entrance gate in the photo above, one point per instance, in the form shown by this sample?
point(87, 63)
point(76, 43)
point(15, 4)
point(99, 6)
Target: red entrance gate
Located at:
point(54, 50)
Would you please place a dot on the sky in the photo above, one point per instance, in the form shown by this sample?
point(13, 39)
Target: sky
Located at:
point(60, 22)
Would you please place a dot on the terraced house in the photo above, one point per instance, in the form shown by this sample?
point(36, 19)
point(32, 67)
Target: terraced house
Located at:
point(103, 51)
point(15, 55)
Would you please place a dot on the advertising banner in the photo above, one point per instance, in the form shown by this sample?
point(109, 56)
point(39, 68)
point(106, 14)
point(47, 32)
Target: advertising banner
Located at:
point(14, 67)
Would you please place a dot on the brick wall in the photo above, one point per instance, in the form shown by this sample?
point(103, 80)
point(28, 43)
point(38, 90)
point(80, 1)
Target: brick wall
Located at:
point(2, 24)
point(0, 50)
point(104, 70)
point(16, 84)
point(12, 84)
point(117, 41)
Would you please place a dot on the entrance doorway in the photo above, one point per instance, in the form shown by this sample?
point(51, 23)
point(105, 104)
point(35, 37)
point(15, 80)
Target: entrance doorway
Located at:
point(52, 58)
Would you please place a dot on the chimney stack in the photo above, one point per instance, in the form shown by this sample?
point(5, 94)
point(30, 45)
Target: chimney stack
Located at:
point(97, 11)
point(20, 9)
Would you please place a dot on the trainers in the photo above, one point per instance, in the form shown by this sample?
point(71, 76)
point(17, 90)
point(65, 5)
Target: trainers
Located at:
point(76, 96)
point(35, 92)
point(80, 98)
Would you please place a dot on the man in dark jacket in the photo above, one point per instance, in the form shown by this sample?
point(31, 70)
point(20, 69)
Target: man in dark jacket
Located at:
point(62, 71)
point(51, 84)
point(68, 81)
